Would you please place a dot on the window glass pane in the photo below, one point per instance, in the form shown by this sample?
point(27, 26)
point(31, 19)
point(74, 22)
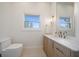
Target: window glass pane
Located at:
point(26, 24)
point(32, 18)
point(32, 21)
point(36, 25)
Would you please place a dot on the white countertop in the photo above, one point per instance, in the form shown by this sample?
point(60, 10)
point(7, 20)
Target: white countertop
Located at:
point(69, 43)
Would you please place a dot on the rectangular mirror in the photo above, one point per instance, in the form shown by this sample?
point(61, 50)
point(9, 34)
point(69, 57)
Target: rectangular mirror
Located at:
point(65, 17)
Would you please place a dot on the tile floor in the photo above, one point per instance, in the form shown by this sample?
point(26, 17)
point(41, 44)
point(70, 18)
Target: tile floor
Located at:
point(33, 52)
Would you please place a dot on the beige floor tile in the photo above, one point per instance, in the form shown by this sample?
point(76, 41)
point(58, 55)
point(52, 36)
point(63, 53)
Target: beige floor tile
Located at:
point(33, 52)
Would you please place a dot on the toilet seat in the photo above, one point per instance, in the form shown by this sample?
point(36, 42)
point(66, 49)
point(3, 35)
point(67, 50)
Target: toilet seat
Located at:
point(14, 50)
point(13, 46)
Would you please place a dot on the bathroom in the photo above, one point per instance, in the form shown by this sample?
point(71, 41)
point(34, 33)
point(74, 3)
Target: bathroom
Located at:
point(50, 15)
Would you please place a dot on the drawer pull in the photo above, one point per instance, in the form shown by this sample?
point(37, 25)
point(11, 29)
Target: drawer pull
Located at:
point(59, 50)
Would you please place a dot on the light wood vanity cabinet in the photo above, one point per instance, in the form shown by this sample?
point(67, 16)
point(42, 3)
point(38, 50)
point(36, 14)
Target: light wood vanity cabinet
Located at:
point(54, 49)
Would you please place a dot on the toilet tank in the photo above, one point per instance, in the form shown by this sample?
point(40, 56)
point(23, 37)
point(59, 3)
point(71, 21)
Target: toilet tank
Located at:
point(5, 42)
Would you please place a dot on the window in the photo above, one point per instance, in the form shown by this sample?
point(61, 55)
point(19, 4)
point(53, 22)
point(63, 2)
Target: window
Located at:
point(32, 21)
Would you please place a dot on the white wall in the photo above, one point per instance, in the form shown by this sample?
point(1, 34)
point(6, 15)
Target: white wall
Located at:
point(76, 14)
point(4, 17)
point(12, 16)
point(53, 13)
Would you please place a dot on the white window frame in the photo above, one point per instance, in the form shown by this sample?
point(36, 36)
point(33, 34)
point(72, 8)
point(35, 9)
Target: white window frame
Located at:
point(31, 29)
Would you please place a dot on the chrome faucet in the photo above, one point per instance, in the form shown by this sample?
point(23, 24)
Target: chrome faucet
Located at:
point(61, 34)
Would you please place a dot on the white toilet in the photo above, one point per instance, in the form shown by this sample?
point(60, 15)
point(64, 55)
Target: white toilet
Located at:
point(10, 50)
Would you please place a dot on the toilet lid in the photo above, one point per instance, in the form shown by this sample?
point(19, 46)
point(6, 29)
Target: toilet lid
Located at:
point(14, 46)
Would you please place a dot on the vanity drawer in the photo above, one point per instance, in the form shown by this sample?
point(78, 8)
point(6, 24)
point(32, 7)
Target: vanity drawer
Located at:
point(61, 50)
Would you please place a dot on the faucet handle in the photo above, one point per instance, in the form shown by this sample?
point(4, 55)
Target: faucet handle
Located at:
point(65, 34)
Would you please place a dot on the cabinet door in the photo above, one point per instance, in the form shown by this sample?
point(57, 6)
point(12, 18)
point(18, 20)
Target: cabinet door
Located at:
point(45, 44)
point(50, 49)
point(61, 50)
point(58, 53)
point(48, 46)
